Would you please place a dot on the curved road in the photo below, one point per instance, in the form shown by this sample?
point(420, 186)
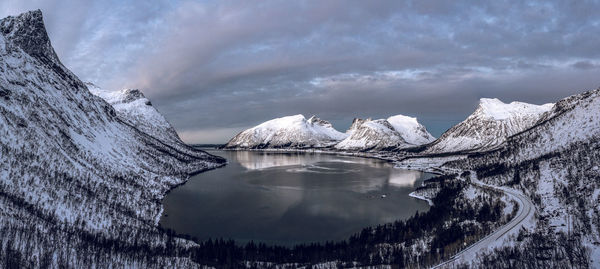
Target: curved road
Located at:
point(525, 212)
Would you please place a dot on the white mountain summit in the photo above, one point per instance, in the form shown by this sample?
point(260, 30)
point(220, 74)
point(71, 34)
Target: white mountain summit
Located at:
point(411, 130)
point(288, 132)
point(133, 107)
point(491, 123)
point(394, 132)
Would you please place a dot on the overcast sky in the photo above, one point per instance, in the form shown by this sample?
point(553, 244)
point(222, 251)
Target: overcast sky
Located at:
point(214, 68)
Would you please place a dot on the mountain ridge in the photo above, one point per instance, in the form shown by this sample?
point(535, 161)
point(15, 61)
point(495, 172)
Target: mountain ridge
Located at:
point(288, 132)
point(488, 126)
point(555, 163)
point(133, 106)
point(73, 169)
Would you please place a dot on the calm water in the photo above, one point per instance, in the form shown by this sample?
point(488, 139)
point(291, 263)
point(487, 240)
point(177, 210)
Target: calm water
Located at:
point(288, 198)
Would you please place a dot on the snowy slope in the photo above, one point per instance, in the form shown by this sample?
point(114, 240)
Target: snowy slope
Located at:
point(356, 123)
point(411, 130)
point(371, 135)
point(73, 172)
point(572, 120)
point(132, 106)
point(555, 163)
point(394, 132)
point(288, 132)
point(491, 123)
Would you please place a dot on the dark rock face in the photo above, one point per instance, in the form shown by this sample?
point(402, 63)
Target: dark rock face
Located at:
point(28, 32)
point(4, 93)
point(356, 123)
point(132, 95)
point(314, 120)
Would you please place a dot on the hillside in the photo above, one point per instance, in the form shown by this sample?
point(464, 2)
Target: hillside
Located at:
point(288, 132)
point(75, 174)
point(489, 125)
point(554, 163)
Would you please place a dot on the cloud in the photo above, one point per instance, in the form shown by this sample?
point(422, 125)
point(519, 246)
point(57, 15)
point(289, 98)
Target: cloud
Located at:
point(584, 65)
point(207, 136)
point(216, 67)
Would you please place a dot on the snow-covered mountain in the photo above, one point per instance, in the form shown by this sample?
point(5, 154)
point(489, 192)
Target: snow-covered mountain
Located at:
point(371, 135)
point(75, 175)
point(555, 163)
point(411, 130)
point(394, 132)
point(288, 132)
point(356, 123)
point(491, 123)
point(133, 107)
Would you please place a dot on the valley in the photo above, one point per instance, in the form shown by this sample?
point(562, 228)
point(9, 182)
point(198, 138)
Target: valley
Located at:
point(97, 178)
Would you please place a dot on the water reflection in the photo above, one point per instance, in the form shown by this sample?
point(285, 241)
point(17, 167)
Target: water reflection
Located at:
point(263, 160)
point(256, 160)
point(291, 198)
point(404, 178)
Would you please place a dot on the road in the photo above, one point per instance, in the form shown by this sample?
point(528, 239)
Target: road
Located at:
point(525, 212)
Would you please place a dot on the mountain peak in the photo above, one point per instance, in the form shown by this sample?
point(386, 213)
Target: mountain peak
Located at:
point(28, 32)
point(495, 109)
point(365, 135)
point(290, 132)
point(132, 95)
point(356, 123)
point(410, 129)
point(492, 122)
point(314, 120)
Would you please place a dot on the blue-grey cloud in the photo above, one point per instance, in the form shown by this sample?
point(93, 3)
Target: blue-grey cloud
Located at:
point(216, 67)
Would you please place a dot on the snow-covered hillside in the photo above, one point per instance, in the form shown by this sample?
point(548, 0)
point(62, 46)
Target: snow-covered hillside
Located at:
point(491, 123)
point(372, 135)
point(411, 130)
point(288, 132)
point(133, 107)
point(395, 132)
point(74, 174)
point(555, 163)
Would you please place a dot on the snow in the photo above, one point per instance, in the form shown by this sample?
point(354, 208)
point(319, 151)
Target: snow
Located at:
point(297, 122)
point(421, 197)
point(133, 107)
point(497, 110)
point(298, 132)
point(394, 132)
point(290, 131)
point(410, 129)
point(489, 126)
point(572, 120)
point(372, 134)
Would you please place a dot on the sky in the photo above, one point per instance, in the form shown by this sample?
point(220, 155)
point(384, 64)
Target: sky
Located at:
point(215, 68)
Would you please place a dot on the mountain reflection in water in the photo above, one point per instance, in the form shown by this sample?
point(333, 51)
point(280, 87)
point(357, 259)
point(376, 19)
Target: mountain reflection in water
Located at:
point(287, 198)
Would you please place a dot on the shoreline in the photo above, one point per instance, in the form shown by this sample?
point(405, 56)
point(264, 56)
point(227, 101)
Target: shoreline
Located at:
point(369, 155)
point(376, 156)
